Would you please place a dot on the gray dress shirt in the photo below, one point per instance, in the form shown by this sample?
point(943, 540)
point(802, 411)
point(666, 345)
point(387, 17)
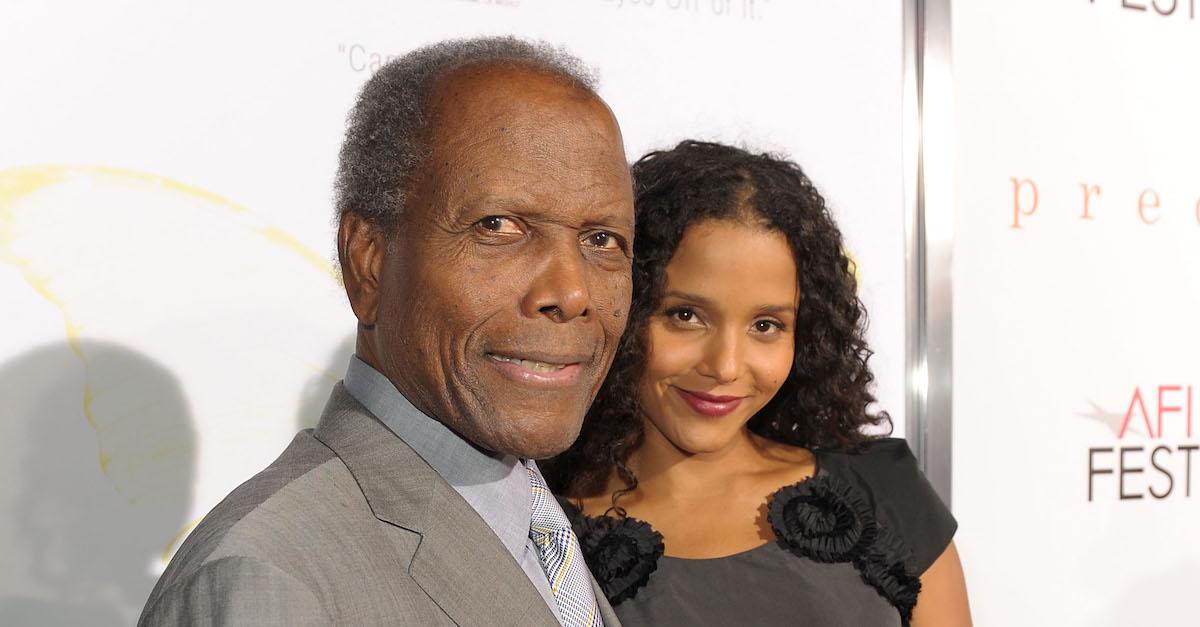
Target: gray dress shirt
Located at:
point(496, 486)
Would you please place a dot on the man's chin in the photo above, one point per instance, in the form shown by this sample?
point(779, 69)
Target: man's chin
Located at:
point(536, 439)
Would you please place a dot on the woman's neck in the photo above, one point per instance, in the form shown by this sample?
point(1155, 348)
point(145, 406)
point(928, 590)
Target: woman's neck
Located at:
point(708, 504)
point(666, 472)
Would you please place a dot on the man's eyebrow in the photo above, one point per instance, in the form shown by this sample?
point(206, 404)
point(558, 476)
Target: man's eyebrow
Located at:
point(610, 219)
point(495, 201)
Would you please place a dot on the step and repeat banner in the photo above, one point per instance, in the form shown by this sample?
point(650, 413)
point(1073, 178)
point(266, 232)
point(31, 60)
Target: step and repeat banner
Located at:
point(169, 310)
point(1076, 308)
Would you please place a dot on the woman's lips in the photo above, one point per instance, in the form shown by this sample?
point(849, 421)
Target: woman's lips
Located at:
point(708, 404)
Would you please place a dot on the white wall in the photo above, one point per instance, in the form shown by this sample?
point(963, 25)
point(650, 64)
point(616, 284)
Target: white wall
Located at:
point(1060, 322)
point(169, 313)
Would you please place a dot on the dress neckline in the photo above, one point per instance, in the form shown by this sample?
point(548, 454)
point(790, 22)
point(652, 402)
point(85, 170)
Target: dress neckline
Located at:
point(739, 554)
point(774, 539)
point(770, 499)
point(824, 517)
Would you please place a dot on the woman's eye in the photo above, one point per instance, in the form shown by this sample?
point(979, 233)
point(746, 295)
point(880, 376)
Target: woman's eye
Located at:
point(603, 239)
point(767, 326)
point(682, 315)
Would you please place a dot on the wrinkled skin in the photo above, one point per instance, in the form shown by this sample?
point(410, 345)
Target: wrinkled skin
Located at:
point(516, 243)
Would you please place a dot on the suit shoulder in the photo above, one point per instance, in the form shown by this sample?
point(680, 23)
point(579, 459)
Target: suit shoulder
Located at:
point(305, 462)
point(236, 589)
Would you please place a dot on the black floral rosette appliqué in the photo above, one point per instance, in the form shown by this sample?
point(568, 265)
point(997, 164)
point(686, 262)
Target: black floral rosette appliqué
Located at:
point(621, 552)
point(823, 519)
point(828, 520)
point(884, 566)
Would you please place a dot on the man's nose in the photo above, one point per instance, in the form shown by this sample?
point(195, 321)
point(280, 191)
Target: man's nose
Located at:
point(559, 290)
point(722, 357)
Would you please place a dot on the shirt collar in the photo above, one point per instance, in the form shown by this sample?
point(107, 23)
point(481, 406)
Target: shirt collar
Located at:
point(495, 485)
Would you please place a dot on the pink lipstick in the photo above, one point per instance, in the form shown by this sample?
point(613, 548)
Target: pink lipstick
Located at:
point(708, 404)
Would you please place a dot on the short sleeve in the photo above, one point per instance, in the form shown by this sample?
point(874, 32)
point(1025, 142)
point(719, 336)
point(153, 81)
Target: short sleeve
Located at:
point(902, 497)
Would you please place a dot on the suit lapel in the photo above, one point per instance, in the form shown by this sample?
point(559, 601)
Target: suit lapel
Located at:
point(459, 562)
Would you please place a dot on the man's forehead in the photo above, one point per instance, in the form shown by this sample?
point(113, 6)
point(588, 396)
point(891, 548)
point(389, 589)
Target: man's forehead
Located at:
point(494, 127)
point(511, 135)
point(611, 208)
point(490, 94)
point(516, 75)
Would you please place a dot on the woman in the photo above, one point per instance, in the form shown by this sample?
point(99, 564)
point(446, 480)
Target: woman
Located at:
point(723, 475)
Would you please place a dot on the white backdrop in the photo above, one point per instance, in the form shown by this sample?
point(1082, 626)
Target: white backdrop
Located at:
point(1075, 311)
point(170, 317)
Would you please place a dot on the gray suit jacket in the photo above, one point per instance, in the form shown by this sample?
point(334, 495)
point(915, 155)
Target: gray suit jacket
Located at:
point(349, 526)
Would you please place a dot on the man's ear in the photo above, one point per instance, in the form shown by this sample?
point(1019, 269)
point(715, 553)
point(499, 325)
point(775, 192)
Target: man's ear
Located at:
point(361, 247)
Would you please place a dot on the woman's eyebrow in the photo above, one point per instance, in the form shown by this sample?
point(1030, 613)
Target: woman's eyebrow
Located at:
point(696, 298)
point(777, 308)
point(780, 308)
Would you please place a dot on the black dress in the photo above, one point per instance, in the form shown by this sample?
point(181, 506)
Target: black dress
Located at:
point(851, 542)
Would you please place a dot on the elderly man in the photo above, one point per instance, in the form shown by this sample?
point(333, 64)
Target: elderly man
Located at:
point(486, 224)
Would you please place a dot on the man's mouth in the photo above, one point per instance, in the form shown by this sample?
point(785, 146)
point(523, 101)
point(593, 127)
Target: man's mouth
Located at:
point(536, 366)
point(539, 370)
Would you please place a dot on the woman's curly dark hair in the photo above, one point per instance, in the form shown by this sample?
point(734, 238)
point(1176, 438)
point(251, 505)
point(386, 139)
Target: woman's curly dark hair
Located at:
point(824, 401)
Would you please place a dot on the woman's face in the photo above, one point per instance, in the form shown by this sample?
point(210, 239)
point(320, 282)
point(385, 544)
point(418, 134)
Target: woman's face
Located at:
point(721, 343)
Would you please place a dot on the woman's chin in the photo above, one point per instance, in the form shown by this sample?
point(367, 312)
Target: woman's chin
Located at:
point(703, 443)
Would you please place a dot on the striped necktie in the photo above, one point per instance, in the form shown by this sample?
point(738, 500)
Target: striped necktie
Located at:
point(561, 558)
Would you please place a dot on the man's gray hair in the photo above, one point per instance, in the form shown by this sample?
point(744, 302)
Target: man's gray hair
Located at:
point(387, 130)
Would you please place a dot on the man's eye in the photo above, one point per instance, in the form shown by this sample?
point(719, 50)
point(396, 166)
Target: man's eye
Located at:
point(499, 224)
point(603, 239)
